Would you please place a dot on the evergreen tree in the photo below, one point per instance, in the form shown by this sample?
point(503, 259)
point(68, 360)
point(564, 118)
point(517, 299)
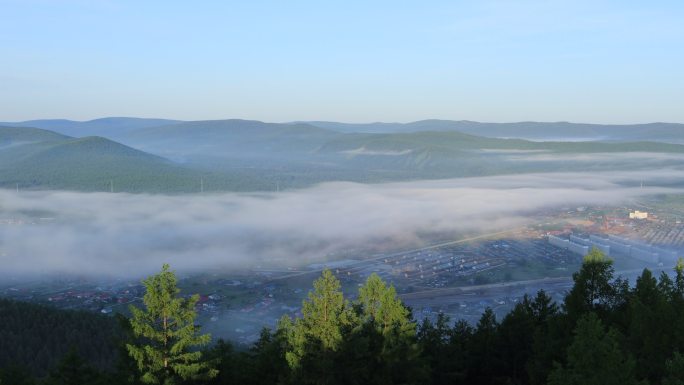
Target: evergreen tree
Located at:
point(611, 334)
point(650, 331)
point(235, 368)
point(592, 290)
point(126, 368)
point(674, 370)
point(484, 364)
point(72, 370)
point(594, 357)
point(268, 358)
point(444, 349)
point(36, 337)
point(326, 312)
point(16, 375)
point(381, 306)
point(679, 277)
point(549, 342)
point(167, 333)
point(314, 339)
point(396, 351)
point(516, 336)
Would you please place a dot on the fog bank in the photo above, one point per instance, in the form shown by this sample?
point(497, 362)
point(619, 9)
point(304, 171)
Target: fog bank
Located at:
point(132, 235)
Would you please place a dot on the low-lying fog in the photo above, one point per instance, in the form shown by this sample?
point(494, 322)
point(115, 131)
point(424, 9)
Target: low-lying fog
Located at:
point(132, 235)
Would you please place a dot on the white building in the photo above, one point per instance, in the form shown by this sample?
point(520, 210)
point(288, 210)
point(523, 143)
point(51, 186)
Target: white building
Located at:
point(638, 215)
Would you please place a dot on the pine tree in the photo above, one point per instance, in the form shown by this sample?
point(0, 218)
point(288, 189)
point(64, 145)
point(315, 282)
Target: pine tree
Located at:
point(650, 329)
point(167, 333)
point(15, 375)
point(485, 363)
point(314, 339)
point(594, 357)
point(381, 305)
point(516, 339)
point(674, 370)
point(385, 319)
point(592, 290)
point(72, 370)
point(679, 277)
point(326, 311)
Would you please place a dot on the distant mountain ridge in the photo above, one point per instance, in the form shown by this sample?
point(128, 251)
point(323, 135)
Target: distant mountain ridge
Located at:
point(111, 127)
point(117, 128)
point(21, 135)
point(244, 155)
point(663, 132)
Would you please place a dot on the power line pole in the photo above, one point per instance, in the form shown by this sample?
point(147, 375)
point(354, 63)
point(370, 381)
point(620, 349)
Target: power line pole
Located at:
point(111, 185)
point(17, 188)
point(201, 184)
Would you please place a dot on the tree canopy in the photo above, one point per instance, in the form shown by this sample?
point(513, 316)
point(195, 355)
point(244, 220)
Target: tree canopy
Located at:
point(604, 332)
point(166, 333)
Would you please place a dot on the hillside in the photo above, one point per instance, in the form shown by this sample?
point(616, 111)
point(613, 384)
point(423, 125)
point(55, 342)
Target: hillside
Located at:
point(37, 337)
point(12, 136)
point(239, 155)
point(561, 131)
point(229, 138)
point(458, 141)
point(111, 128)
point(452, 154)
point(99, 164)
point(91, 163)
point(119, 128)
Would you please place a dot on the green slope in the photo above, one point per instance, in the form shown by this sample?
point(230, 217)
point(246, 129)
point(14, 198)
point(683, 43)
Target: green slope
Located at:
point(99, 164)
point(21, 135)
point(457, 141)
point(659, 132)
point(230, 137)
point(112, 127)
point(421, 155)
point(247, 155)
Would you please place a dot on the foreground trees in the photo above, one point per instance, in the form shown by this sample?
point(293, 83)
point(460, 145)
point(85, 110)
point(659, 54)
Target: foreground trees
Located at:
point(35, 338)
point(604, 332)
point(370, 341)
point(166, 333)
point(594, 357)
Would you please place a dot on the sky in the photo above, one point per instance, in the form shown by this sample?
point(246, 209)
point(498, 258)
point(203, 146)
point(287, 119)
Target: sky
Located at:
point(353, 61)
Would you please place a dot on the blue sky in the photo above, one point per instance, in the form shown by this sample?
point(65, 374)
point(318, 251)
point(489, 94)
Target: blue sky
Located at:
point(353, 61)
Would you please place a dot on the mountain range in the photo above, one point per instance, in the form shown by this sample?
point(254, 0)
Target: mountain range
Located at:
point(159, 155)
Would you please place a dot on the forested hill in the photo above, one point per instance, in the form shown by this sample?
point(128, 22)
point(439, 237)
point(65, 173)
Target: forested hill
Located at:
point(111, 127)
point(10, 136)
point(91, 163)
point(117, 127)
point(39, 159)
point(455, 141)
point(36, 337)
point(661, 132)
point(238, 155)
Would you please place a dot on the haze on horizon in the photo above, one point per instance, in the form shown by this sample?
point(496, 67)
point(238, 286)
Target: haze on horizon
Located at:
point(582, 61)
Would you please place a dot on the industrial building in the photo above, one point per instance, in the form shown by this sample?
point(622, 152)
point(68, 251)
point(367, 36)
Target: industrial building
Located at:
point(638, 215)
point(570, 245)
point(614, 245)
